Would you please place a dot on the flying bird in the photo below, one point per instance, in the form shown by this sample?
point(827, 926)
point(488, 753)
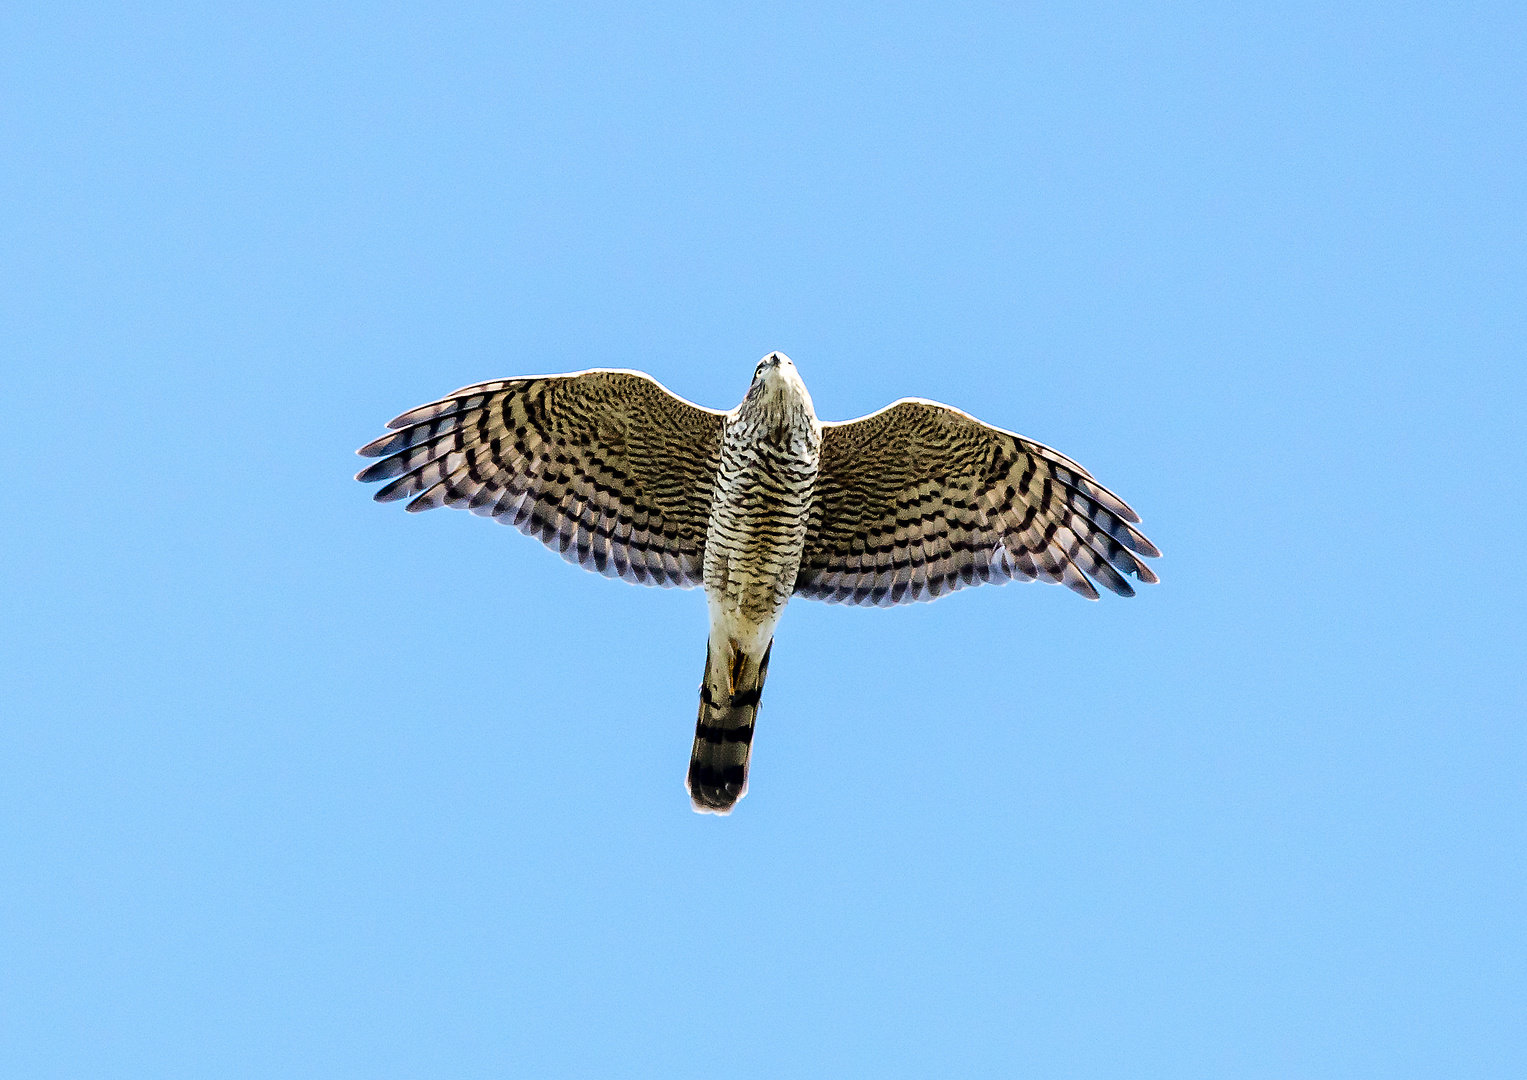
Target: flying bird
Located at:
point(757, 505)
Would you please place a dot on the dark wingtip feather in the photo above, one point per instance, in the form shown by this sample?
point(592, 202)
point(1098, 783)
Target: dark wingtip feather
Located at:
point(438, 495)
point(419, 415)
point(400, 488)
point(1082, 586)
point(378, 447)
point(1124, 510)
point(1112, 581)
point(382, 470)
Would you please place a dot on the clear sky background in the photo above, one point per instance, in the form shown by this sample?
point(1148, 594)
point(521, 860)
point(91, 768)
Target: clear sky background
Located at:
point(296, 785)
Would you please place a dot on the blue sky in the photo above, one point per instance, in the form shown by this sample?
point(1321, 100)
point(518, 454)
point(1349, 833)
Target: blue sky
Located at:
point(292, 784)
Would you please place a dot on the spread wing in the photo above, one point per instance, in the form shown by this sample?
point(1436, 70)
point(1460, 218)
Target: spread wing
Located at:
point(920, 499)
point(607, 468)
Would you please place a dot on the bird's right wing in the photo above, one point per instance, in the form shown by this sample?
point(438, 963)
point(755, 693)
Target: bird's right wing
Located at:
point(920, 499)
point(608, 468)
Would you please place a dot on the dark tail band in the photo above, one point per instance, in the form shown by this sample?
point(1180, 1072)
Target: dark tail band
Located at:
point(729, 696)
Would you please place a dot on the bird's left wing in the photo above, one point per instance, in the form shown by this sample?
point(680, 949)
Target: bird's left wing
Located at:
point(608, 468)
point(920, 499)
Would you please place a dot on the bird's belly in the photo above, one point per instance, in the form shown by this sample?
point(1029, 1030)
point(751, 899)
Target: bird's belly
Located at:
point(753, 550)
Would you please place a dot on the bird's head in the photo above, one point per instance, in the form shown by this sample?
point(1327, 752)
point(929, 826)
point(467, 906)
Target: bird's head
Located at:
point(775, 372)
point(777, 388)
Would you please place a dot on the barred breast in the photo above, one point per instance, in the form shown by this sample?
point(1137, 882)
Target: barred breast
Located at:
point(758, 521)
point(770, 450)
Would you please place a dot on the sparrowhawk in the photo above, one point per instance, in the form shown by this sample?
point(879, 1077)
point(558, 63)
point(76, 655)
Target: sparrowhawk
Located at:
point(757, 505)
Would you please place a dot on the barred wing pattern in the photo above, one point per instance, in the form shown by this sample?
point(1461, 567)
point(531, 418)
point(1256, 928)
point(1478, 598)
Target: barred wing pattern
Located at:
point(920, 499)
point(608, 468)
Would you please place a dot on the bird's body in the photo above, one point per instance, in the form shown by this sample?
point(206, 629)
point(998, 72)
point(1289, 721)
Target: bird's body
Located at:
point(758, 505)
point(770, 450)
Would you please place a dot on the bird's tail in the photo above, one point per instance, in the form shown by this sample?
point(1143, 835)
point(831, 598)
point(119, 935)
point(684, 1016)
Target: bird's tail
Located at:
point(729, 693)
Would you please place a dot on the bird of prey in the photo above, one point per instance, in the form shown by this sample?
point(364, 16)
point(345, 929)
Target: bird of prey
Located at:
point(757, 505)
